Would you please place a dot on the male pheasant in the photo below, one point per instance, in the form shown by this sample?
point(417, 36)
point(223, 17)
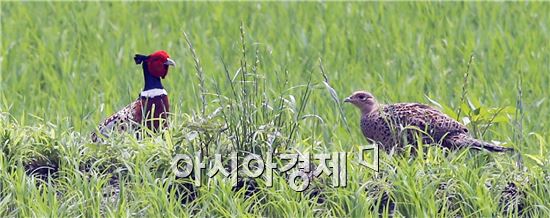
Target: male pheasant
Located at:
point(151, 108)
point(395, 125)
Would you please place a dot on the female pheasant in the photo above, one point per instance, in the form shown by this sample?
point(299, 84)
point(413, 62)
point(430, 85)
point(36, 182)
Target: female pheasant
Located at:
point(398, 124)
point(151, 108)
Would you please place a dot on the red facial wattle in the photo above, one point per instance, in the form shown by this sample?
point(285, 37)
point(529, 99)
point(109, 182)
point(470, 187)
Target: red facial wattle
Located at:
point(157, 68)
point(158, 64)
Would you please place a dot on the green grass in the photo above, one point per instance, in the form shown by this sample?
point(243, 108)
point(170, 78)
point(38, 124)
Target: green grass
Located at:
point(66, 66)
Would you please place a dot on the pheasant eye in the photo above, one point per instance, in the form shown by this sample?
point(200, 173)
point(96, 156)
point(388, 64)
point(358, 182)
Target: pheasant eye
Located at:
point(362, 97)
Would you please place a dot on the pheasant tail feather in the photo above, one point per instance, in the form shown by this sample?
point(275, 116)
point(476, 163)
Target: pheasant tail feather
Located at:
point(463, 140)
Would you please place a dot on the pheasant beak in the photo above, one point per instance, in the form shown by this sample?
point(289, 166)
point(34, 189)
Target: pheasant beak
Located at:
point(170, 62)
point(348, 99)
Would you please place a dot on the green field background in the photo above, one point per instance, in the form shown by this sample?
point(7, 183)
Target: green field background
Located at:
point(69, 65)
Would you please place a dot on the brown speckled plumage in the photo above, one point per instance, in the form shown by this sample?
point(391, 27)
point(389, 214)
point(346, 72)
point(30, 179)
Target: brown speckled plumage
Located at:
point(150, 112)
point(394, 125)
